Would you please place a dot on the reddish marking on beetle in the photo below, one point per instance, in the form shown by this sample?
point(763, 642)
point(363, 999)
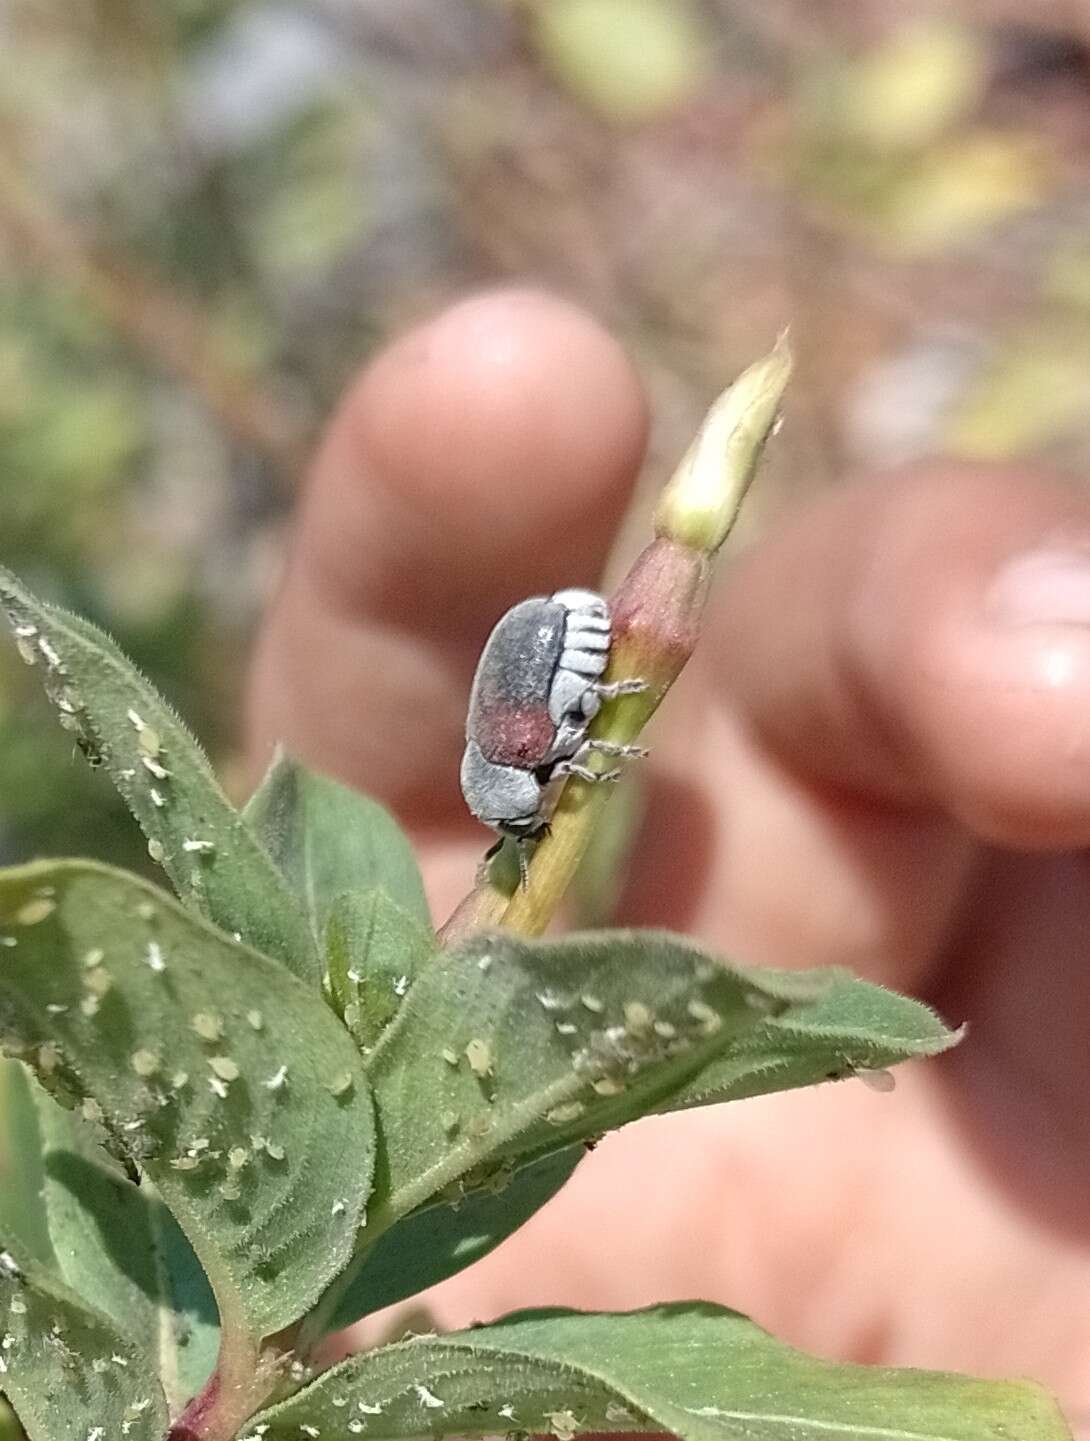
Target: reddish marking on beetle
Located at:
point(515, 735)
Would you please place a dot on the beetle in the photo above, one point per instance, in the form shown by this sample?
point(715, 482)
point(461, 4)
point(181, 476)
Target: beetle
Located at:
point(537, 687)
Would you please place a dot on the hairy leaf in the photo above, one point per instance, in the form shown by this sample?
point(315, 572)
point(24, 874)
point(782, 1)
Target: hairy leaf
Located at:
point(222, 1076)
point(211, 855)
point(68, 1370)
point(72, 1207)
point(854, 1027)
point(23, 1219)
point(430, 1245)
point(507, 1049)
point(188, 1323)
point(694, 1370)
point(328, 839)
point(374, 951)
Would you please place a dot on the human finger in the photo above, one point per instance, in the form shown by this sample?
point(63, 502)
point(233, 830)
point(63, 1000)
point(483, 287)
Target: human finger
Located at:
point(485, 456)
point(925, 640)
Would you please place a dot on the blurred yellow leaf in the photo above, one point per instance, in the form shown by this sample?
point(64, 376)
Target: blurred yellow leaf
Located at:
point(630, 60)
point(961, 187)
point(908, 91)
point(1066, 277)
point(1028, 397)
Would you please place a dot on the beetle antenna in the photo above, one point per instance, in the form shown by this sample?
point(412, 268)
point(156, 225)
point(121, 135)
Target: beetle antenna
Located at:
point(524, 865)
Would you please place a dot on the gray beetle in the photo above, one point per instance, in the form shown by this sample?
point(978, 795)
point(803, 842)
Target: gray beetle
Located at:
point(537, 688)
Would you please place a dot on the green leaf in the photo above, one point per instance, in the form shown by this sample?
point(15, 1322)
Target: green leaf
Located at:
point(211, 855)
point(10, 1429)
point(74, 1209)
point(506, 1049)
point(328, 839)
point(855, 1027)
point(23, 1219)
point(189, 1330)
point(430, 1245)
point(374, 952)
point(694, 1370)
point(67, 1369)
point(226, 1079)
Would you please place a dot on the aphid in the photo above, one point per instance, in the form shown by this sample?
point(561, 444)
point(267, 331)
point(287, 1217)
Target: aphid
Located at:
point(34, 911)
point(537, 688)
point(479, 1055)
point(90, 752)
point(881, 1081)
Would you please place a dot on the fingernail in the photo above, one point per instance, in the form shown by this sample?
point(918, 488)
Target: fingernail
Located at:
point(1045, 587)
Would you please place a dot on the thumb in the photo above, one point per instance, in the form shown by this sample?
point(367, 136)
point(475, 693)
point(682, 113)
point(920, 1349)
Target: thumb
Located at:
point(485, 456)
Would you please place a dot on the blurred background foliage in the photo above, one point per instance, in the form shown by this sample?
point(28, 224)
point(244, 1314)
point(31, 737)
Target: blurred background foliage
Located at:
point(211, 211)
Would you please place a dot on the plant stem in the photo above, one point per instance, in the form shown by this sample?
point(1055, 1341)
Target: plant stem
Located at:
point(656, 614)
point(243, 1381)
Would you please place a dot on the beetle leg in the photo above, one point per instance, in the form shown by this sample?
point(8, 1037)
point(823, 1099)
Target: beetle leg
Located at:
point(486, 860)
point(571, 736)
point(569, 695)
point(611, 748)
point(574, 768)
point(609, 690)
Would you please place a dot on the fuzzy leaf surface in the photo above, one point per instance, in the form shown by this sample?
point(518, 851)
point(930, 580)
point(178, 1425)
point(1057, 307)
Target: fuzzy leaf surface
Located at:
point(853, 1027)
point(111, 1242)
point(328, 839)
point(226, 1079)
point(430, 1245)
point(211, 855)
point(693, 1370)
point(23, 1219)
point(67, 1368)
point(506, 1049)
point(374, 951)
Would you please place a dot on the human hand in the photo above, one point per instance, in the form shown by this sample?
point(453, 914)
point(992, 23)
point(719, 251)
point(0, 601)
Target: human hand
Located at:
point(879, 757)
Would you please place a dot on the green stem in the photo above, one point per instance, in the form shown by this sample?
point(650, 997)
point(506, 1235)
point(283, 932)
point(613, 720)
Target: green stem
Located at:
point(656, 620)
point(243, 1381)
point(656, 614)
point(316, 1325)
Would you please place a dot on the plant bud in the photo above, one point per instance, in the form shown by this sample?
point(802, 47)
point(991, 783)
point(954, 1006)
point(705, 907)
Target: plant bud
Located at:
point(699, 505)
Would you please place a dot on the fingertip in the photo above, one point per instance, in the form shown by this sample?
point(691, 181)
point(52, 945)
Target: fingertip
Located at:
point(505, 430)
point(503, 385)
point(996, 676)
point(886, 665)
point(484, 457)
